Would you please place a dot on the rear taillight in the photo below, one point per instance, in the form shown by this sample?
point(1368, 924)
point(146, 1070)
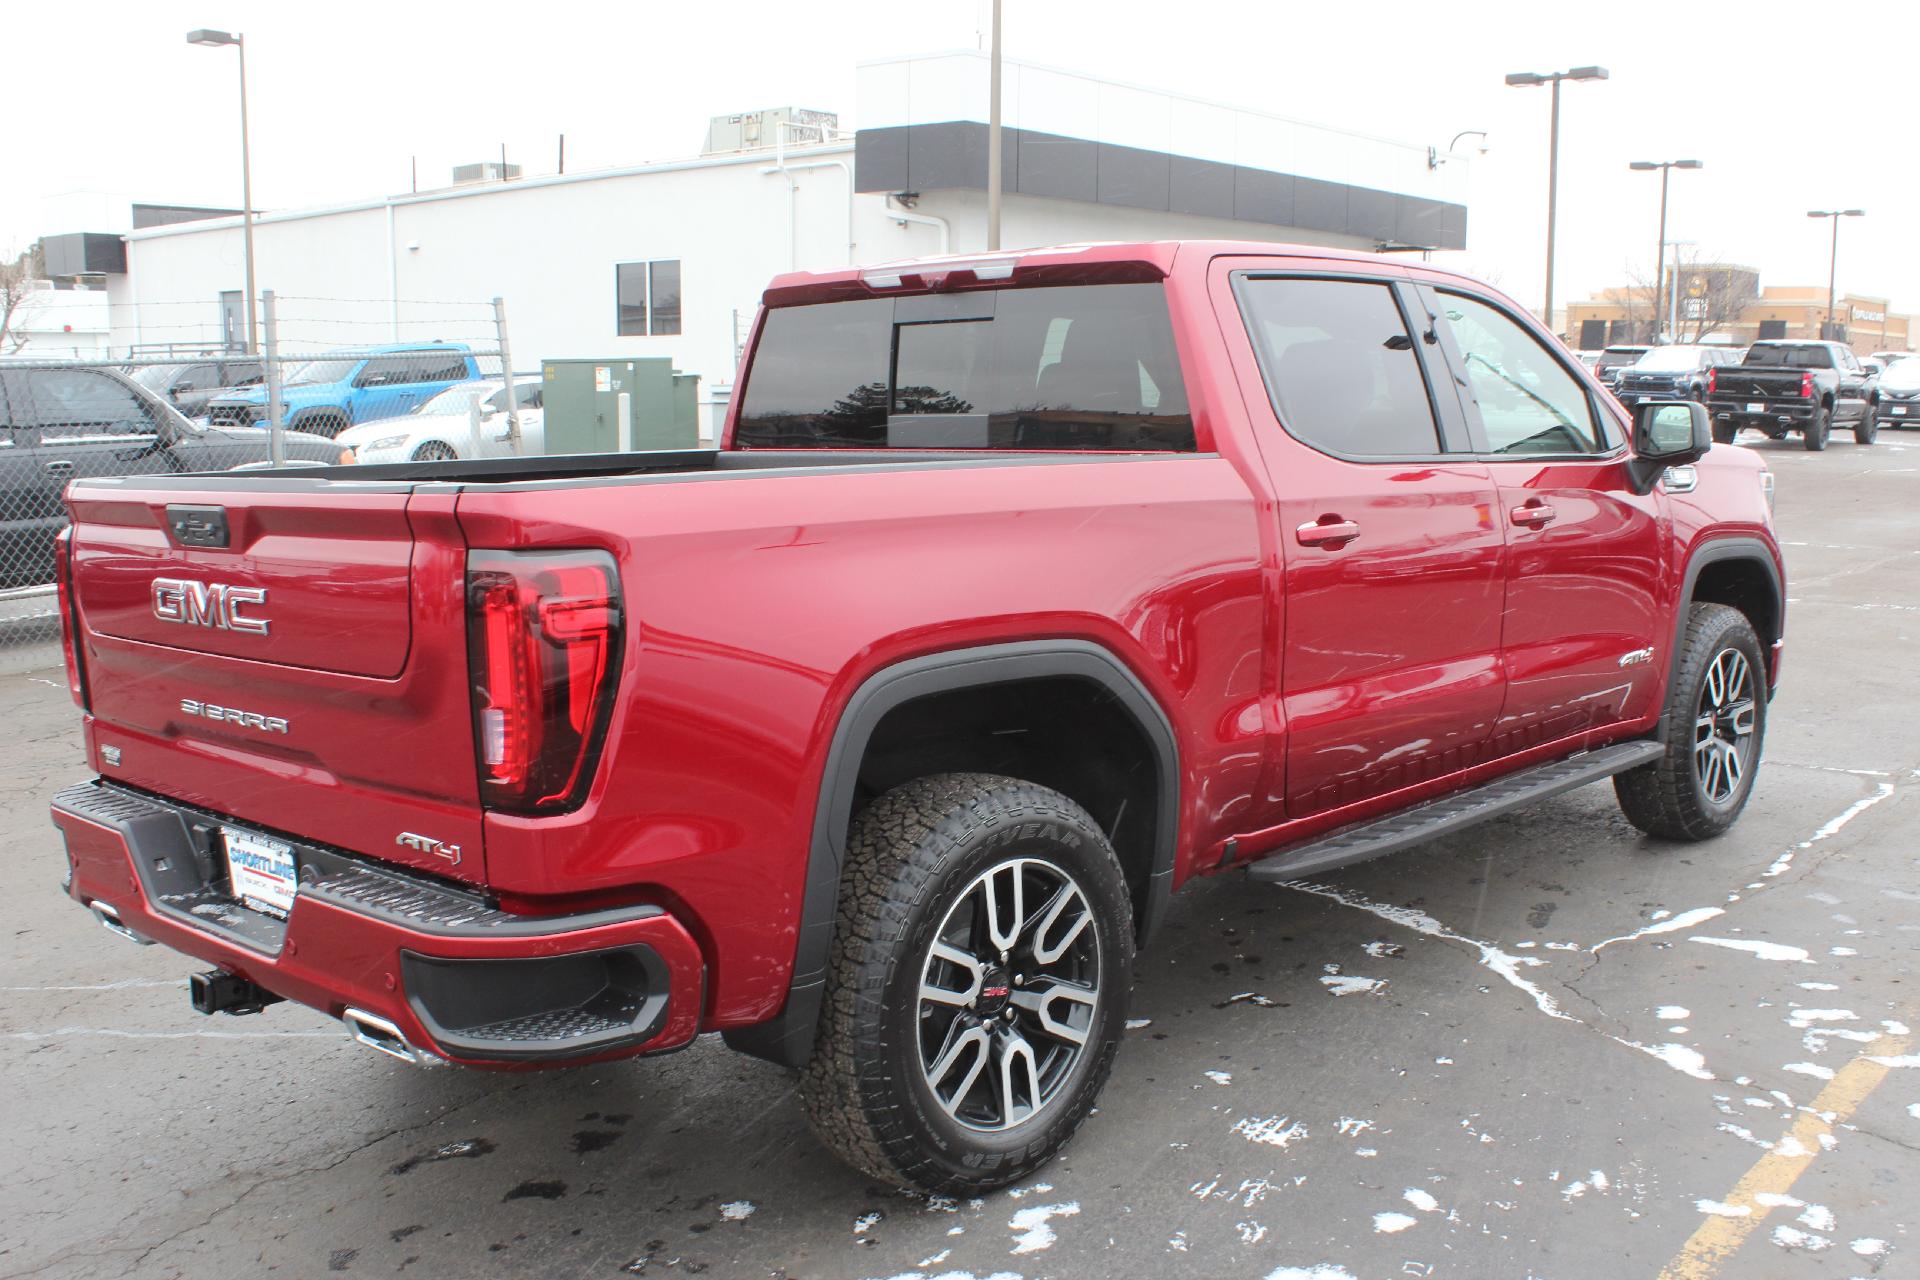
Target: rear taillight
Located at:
point(1806, 386)
point(1713, 381)
point(543, 647)
point(69, 620)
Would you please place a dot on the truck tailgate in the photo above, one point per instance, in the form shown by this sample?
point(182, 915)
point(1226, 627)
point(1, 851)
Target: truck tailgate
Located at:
point(294, 657)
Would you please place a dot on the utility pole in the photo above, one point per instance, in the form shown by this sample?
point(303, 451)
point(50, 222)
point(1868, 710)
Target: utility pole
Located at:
point(993, 135)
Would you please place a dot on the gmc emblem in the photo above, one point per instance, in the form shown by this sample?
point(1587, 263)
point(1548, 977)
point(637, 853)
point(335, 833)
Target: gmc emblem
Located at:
point(208, 604)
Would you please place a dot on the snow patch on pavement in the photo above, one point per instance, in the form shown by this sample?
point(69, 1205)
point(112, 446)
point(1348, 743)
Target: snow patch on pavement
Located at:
point(1031, 1225)
point(1763, 950)
point(1667, 923)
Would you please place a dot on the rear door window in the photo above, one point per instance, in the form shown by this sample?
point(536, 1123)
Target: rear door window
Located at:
point(1074, 367)
point(438, 367)
point(1339, 364)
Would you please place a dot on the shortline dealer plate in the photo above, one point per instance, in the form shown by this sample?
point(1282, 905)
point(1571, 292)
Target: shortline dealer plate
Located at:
point(262, 871)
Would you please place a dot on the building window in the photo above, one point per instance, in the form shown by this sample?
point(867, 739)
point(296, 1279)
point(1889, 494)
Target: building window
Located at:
point(648, 294)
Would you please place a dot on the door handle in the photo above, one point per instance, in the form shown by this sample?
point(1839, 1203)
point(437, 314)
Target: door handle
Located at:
point(1328, 530)
point(1533, 515)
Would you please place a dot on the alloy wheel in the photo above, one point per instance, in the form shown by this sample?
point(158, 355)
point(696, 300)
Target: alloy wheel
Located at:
point(1723, 726)
point(1009, 992)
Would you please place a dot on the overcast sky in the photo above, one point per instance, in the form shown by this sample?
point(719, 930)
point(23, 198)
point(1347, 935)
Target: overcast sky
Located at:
point(1791, 106)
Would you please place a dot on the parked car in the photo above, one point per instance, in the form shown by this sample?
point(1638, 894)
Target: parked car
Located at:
point(447, 426)
point(1785, 386)
point(327, 395)
point(1587, 358)
point(1671, 373)
point(63, 423)
point(1607, 368)
point(1886, 358)
point(190, 387)
point(1021, 591)
point(1897, 398)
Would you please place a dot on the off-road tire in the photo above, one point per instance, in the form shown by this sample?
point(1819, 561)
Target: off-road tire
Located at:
point(1867, 430)
point(1724, 433)
point(1666, 798)
point(434, 451)
point(911, 855)
point(1815, 436)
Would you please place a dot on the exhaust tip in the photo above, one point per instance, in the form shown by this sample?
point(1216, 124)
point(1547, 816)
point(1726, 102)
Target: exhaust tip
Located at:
point(377, 1033)
point(109, 919)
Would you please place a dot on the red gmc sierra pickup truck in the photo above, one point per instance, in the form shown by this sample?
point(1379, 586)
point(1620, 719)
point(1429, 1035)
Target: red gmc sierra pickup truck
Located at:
point(1020, 590)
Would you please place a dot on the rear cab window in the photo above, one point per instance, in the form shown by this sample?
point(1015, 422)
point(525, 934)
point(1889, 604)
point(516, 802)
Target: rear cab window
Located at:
point(1075, 367)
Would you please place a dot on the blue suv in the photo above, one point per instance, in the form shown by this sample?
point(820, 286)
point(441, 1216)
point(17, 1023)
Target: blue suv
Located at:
point(330, 393)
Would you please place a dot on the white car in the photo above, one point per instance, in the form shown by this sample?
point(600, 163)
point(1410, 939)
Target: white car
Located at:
point(466, 421)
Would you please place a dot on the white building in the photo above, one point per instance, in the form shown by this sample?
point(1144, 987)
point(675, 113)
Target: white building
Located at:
point(670, 258)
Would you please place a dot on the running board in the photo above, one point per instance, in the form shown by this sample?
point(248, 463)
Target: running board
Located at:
point(1462, 809)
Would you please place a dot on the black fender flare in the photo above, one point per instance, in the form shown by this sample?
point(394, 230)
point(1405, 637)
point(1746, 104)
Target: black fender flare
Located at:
point(788, 1037)
point(1714, 551)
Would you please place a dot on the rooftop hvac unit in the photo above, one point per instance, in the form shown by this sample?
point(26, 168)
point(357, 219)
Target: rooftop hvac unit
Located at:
point(485, 171)
point(762, 130)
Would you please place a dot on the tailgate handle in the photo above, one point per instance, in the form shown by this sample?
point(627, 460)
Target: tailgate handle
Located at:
point(195, 526)
point(60, 467)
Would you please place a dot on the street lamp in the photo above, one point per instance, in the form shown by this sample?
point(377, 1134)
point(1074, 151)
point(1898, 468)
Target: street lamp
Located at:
point(213, 40)
point(1525, 79)
point(1660, 256)
point(1833, 258)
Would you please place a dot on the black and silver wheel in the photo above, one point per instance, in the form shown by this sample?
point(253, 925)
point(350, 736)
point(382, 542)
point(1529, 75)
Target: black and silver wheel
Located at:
point(977, 987)
point(434, 451)
point(1716, 723)
point(1867, 430)
point(1817, 430)
point(1008, 991)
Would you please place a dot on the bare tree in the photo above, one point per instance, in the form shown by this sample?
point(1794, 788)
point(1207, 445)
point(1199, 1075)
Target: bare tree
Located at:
point(1712, 295)
point(17, 279)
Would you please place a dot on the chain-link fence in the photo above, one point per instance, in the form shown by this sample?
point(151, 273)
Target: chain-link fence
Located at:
point(183, 405)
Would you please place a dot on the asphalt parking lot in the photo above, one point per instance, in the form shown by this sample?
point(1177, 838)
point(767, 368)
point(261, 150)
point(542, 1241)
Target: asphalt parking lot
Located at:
point(1575, 1053)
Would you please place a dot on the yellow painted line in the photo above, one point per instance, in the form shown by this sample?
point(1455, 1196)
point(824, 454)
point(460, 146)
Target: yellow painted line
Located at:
point(1776, 1172)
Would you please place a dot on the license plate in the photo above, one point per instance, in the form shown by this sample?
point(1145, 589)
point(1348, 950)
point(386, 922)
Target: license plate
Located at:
point(1756, 408)
point(1646, 399)
point(262, 871)
point(1897, 410)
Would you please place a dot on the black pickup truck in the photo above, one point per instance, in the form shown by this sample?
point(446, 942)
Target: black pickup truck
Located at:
point(1784, 386)
point(61, 423)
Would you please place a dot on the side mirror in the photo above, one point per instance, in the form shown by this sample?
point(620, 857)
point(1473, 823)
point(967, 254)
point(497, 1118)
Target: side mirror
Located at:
point(1666, 434)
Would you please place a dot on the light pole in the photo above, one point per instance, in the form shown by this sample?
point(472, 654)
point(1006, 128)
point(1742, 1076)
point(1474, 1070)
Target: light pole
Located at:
point(1660, 259)
point(213, 40)
point(1828, 330)
point(1523, 79)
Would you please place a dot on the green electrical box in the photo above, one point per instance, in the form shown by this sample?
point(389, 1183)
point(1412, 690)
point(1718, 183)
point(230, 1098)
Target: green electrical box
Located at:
point(616, 405)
